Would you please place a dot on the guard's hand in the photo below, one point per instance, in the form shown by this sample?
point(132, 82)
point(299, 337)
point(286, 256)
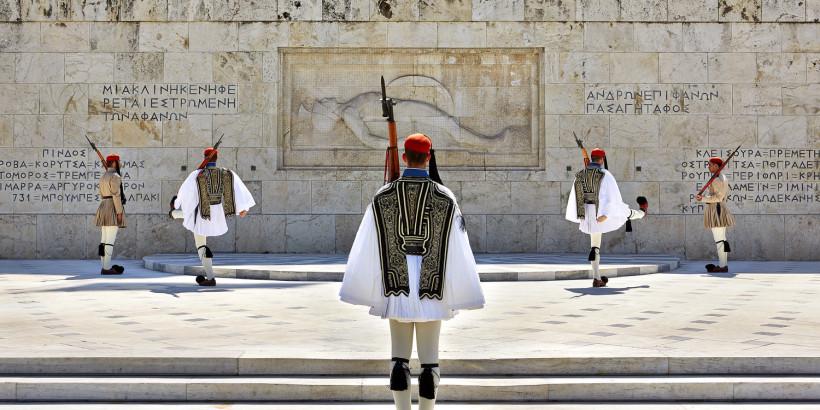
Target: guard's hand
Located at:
point(119, 218)
point(699, 197)
point(601, 218)
point(243, 214)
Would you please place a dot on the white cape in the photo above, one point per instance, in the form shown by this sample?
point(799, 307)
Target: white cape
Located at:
point(362, 284)
point(188, 201)
point(610, 204)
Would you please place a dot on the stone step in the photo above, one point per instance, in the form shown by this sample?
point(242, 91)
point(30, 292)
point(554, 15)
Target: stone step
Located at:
point(249, 365)
point(491, 267)
point(370, 389)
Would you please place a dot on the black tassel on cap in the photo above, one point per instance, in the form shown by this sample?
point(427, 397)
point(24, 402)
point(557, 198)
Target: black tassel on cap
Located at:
point(399, 375)
point(427, 382)
point(434, 168)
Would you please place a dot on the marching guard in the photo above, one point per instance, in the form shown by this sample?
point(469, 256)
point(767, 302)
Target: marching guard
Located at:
point(595, 204)
point(411, 263)
point(110, 215)
point(207, 196)
point(717, 216)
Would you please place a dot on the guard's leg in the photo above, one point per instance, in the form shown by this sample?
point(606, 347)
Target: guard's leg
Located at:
point(427, 337)
point(106, 249)
point(401, 339)
point(206, 257)
point(722, 246)
point(595, 256)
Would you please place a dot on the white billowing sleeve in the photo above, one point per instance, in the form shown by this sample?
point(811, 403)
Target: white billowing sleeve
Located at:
point(572, 207)
point(362, 283)
point(610, 202)
point(462, 285)
point(188, 200)
point(242, 196)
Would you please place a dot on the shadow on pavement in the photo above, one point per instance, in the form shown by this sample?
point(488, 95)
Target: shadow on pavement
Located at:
point(602, 291)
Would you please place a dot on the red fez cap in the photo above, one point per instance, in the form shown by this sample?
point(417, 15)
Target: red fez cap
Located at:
point(716, 160)
point(597, 152)
point(112, 157)
point(418, 143)
point(209, 151)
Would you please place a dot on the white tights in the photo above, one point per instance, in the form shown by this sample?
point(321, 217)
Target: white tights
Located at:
point(107, 238)
point(427, 337)
point(720, 235)
point(207, 262)
point(595, 242)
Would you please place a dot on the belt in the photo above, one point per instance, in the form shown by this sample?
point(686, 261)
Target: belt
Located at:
point(108, 197)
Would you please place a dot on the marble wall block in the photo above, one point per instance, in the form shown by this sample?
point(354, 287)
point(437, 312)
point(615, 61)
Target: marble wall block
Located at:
point(346, 228)
point(214, 36)
point(492, 10)
point(19, 37)
point(257, 10)
point(462, 35)
point(609, 37)
point(535, 197)
point(813, 68)
point(259, 164)
point(593, 129)
point(802, 247)
point(310, 234)
point(139, 67)
point(412, 35)
point(114, 37)
point(732, 68)
point(477, 232)
point(684, 131)
point(245, 129)
point(163, 37)
point(597, 10)
point(677, 198)
point(188, 67)
point(232, 67)
point(510, 34)
point(564, 98)
point(740, 10)
point(65, 37)
point(445, 10)
point(308, 10)
point(693, 10)
point(76, 127)
point(710, 37)
point(336, 197)
point(664, 234)
point(756, 37)
point(263, 36)
point(559, 36)
point(683, 67)
point(643, 10)
point(512, 233)
point(634, 131)
point(346, 10)
point(61, 236)
point(64, 99)
point(313, 34)
point(46, 10)
point(19, 99)
point(363, 35)
point(549, 10)
point(9, 10)
point(784, 10)
point(813, 11)
point(814, 131)
point(7, 67)
point(657, 164)
point(756, 99)
point(801, 100)
point(89, 67)
point(782, 131)
point(488, 197)
point(758, 237)
point(286, 197)
point(730, 131)
point(39, 68)
point(206, 10)
point(136, 134)
point(394, 10)
point(781, 67)
point(6, 131)
point(18, 236)
point(658, 37)
point(582, 68)
point(144, 10)
point(634, 68)
point(160, 234)
point(82, 10)
point(38, 131)
point(800, 38)
point(158, 164)
point(261, 233)
point(556, 234)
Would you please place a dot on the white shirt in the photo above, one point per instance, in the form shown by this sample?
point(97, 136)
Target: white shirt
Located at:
point(188, 201)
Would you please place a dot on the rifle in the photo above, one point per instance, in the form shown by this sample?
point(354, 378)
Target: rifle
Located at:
point(391, 156)
point(99, 154)
point(715, 175)
point(208, 159)
point(581, 145)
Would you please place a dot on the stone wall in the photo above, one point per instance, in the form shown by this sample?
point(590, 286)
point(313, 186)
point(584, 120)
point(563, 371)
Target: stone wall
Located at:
point(502, 86)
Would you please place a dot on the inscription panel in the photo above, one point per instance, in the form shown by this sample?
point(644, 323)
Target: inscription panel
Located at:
point(480, 106)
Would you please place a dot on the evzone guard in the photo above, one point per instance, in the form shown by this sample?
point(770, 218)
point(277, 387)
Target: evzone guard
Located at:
point(110, 215)
point(206, 197)
point(595, 204)
point(717, 216)
point(411, 263)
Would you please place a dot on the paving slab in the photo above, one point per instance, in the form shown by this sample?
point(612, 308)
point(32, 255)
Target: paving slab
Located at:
point(491, 267)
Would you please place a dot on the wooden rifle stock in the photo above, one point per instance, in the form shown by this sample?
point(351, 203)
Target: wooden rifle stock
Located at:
point(583, 150)
point(391, 159)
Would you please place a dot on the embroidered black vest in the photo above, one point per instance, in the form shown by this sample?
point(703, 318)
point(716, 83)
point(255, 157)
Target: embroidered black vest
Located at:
point(215, 187)
point(587, 188)
point(413, 217)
